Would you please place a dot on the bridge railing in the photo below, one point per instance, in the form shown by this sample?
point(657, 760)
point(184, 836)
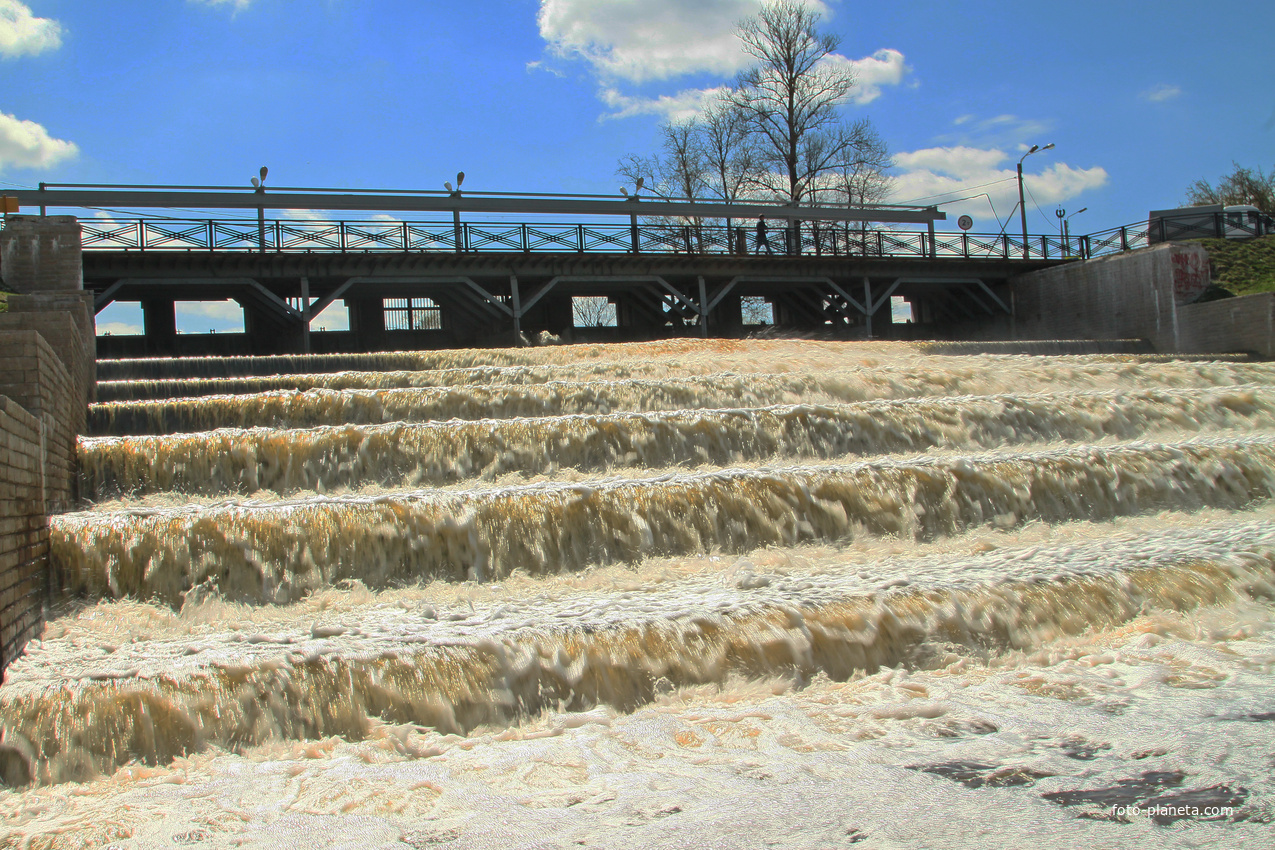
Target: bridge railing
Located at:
point(307, 236)
point(1143, 234)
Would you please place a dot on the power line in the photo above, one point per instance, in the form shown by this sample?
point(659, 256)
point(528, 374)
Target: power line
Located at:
point(962, 189)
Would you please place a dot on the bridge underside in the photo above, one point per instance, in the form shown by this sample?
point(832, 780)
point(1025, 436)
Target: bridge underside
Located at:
point(424, 300)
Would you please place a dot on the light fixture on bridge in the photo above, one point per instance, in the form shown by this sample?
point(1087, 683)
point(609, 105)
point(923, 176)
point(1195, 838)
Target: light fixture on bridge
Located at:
point(634, 237)
point(260, 186)
point(1022, 206)
point(1066, 234)
point(637, 187)
point(456, 231)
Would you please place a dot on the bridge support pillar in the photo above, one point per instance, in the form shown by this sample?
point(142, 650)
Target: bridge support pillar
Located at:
point(159, 320)
point(367, 320)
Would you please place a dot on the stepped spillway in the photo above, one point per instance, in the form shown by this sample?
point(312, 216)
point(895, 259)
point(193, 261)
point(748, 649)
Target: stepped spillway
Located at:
point(616, 593)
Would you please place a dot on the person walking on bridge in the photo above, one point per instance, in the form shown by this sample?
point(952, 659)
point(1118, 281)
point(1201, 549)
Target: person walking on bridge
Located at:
point(762, 237)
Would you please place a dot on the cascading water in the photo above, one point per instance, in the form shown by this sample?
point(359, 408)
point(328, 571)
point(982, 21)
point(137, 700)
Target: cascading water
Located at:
point(842, 593)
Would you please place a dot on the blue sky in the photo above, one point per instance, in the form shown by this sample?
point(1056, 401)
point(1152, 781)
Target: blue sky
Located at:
point(546, 95)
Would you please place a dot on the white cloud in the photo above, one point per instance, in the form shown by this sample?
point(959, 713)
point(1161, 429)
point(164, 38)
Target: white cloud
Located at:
point(632, 42)
point(933, 175)
point(677, 107)
point(651, 40)
point(23, 33)
point(197, 317)
point(238, 5)
point(26, 144)
point(1161, 93)
point(996, 132)
point(883, 68)
point(118, 329)
point(335, 317)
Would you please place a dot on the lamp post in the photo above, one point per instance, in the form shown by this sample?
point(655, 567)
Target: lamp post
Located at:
point(260, 187)
point(1067, 230)
point(633, 223)
point(456, 233)
point(1022, 204)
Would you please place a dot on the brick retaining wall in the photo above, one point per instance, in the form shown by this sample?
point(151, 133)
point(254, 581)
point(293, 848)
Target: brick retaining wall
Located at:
point(24, 531)
point(35, 378)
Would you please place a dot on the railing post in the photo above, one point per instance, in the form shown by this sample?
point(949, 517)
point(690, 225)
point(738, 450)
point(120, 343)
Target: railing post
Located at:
point(211, 230)
point(580, 238)
point(407, 238)
point(526, 246)
point(1124, 238)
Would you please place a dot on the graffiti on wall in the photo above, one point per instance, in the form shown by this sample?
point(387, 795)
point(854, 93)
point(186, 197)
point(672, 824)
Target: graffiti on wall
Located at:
point(1190, 273)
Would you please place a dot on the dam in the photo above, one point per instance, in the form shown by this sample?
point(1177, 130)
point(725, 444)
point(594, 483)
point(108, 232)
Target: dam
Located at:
point(809, 593)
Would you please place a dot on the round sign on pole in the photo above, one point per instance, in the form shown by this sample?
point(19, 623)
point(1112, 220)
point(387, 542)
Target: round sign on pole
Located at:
point(965, 222)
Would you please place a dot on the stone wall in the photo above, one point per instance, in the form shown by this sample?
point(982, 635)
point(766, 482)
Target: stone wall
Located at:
point(35, 378)
point(78, 307)
point(24, 532)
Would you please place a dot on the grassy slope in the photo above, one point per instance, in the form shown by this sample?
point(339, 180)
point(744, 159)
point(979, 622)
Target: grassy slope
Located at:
point(1243, 266)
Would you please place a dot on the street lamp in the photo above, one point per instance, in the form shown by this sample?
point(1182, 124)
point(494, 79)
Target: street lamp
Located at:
point(1067, 230)
point(1022, 205)
point(260, 187)
point(633, 224)
point(460, 178)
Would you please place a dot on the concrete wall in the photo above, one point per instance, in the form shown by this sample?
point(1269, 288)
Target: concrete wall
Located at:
point(1246, 323)
point(1126, 296)
point(24, 532)
point(41, 253)
point(1144, 294)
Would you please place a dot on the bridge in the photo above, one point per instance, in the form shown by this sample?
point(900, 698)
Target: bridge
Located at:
point(498, 267)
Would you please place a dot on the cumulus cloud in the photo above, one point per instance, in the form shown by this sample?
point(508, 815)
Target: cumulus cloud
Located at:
point(25, 144)
point(651, 40)
point(1161, 93)
point(687, 103)
point(23, 33)
point(935, 175)
point(629, 42)
point(883, 68)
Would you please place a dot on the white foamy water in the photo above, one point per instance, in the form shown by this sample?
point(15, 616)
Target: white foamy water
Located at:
point(848, 595)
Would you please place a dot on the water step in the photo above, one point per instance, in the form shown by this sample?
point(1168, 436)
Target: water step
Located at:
point(244, 461)
point(277, 552)
point(75, 708)
point(283, 409)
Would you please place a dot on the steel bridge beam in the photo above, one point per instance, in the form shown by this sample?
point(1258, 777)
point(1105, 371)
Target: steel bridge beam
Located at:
point(302, 199)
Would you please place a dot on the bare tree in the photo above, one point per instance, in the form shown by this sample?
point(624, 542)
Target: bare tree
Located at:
point(790, 98)
point(1242, 186)
point(592, 311)
point(865, 181)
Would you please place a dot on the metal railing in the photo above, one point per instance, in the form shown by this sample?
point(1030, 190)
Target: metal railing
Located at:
point(1143, 234)
point(812, 239)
